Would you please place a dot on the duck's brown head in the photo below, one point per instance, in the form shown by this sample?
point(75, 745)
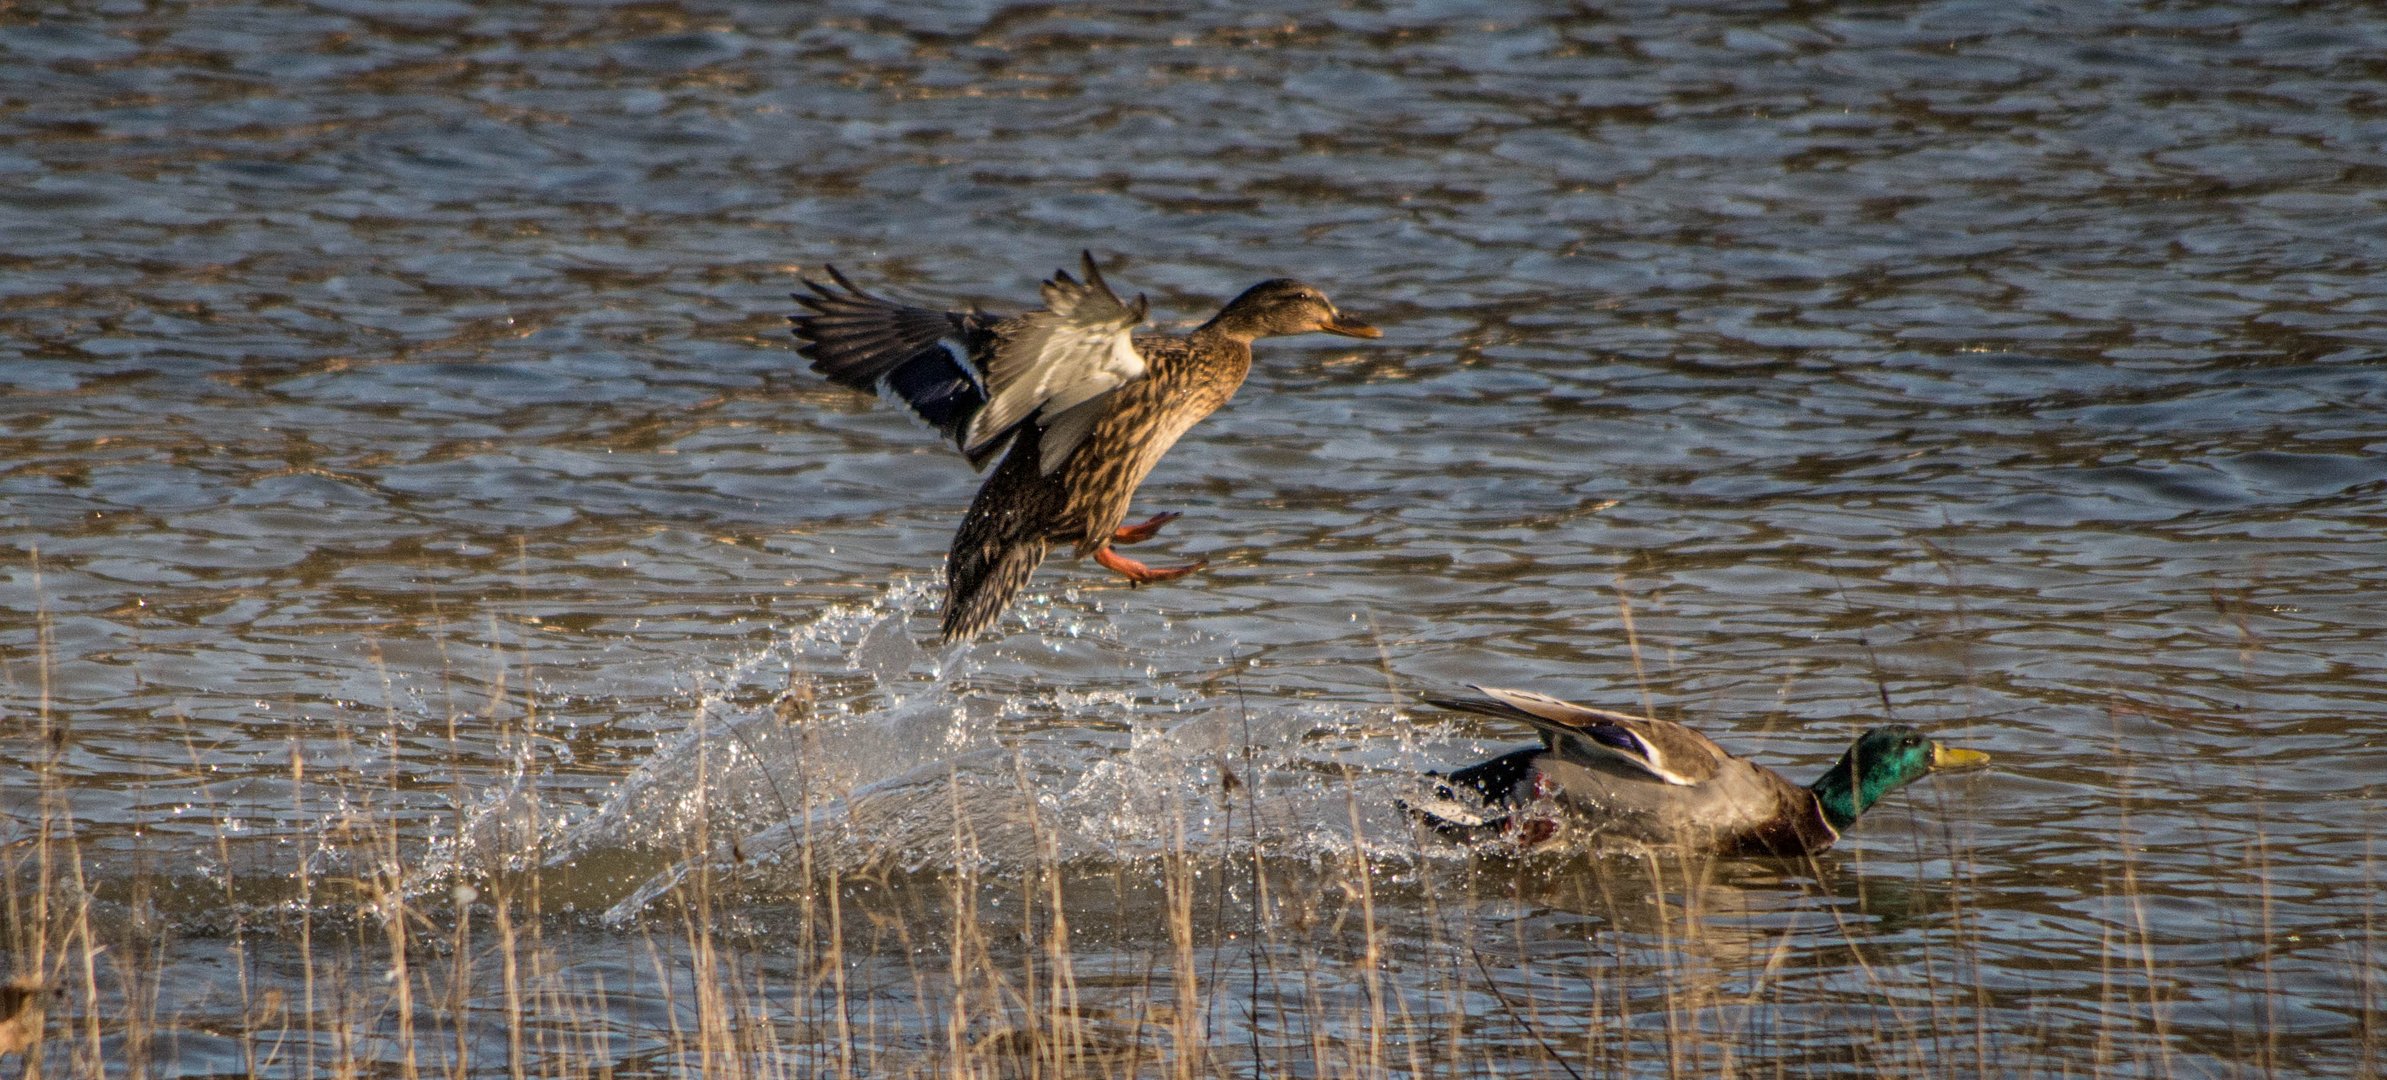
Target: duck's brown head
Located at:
point(1284, 306)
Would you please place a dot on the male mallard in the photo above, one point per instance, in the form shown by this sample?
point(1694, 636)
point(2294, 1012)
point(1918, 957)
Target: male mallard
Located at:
point(1086, 408)
point(1658, 782)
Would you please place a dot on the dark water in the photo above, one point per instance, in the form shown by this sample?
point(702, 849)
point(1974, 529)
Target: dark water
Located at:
point(404, 477)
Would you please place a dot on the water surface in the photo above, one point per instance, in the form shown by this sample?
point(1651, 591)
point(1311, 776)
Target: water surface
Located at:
point(405, 478)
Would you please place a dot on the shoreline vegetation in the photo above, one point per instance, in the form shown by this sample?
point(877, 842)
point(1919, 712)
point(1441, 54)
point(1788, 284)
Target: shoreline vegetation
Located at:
point(348, 951)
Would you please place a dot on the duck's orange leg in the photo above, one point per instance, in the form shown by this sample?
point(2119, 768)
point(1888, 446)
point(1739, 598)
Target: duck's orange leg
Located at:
point(1137, 573)
point(1137, 534)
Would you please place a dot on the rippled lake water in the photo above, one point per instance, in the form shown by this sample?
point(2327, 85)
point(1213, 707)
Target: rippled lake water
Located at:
point(415, 526)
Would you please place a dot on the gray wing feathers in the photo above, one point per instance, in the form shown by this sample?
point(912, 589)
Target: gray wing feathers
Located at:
point(1055, 360)
point(1664, 750)
point(1066, 431)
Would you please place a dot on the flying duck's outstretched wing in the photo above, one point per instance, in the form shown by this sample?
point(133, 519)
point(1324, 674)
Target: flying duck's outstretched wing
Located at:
point(864, 341)
point(1663, 750)
point(1056, 365)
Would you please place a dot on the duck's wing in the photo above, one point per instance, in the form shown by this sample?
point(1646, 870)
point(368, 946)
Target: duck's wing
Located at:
point(1660, 749)
point(1057, 363)
point(919, 354)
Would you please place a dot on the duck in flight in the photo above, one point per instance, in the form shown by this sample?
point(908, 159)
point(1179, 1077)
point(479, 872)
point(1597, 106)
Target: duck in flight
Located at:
point(1085, 406)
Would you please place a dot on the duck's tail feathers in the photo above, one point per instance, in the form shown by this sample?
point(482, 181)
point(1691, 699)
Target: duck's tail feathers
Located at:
point(920, 355)
point(982, 576)
point(1496, 781)
point(1453, 816)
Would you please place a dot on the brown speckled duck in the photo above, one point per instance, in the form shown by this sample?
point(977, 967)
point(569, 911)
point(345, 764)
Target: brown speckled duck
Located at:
point(1086, 408)
point(1654, 781)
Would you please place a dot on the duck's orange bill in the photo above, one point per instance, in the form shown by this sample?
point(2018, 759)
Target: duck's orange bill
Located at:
point(1944, 756)
point(1349, 327)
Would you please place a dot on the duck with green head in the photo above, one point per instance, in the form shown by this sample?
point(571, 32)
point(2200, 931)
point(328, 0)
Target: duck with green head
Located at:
point(1655, 781)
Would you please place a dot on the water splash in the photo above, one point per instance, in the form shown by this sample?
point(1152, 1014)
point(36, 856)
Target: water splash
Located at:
point(846, 745)
point(1079, 738)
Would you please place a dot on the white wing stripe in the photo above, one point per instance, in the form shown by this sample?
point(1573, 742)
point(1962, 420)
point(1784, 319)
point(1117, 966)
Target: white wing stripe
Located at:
point(1568, 717)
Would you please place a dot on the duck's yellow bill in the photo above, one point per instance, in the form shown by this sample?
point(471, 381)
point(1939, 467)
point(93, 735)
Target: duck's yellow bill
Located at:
point(1944, 756)
point(1351, 328)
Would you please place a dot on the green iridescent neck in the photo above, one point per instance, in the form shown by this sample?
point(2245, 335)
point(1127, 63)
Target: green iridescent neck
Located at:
point(1840, 799)
point(1880, 761)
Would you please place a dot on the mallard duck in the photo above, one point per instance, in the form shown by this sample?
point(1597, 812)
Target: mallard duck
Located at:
point(1086, 409)
point(1659, 782)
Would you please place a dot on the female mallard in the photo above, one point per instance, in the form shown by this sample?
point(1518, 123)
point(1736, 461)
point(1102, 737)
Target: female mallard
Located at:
point(1659, 782)
point(1086, 408)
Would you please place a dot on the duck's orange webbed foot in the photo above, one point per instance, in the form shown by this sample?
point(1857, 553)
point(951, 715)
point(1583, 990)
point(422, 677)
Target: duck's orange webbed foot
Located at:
point(1137, 534)
point(1137, 573)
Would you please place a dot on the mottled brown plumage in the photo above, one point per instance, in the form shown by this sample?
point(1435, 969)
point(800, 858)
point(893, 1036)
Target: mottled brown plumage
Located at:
point(1087, 409)
point(1637, 778)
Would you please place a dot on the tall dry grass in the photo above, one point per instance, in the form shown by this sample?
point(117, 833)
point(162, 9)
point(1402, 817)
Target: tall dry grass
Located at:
point(1207, 959)
point(1189, 964)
